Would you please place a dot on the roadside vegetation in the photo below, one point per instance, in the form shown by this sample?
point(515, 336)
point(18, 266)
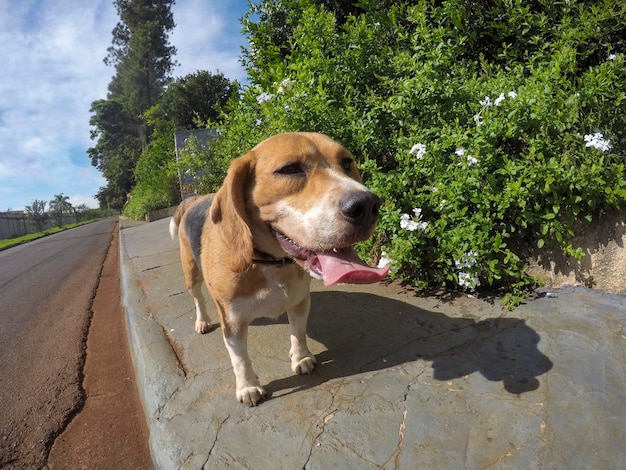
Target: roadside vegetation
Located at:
point(59, 213)
point(133, 127)
point(489, 129)
point(11, 242)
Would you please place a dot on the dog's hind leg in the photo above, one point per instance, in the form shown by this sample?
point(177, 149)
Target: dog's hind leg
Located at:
point(193, 281)
point(203, 322)
point(302, 361)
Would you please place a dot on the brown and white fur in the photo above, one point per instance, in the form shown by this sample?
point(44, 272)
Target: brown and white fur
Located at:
point(297, 188)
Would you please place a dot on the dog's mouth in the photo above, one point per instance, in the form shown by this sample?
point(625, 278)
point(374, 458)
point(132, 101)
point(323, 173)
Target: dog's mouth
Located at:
point(332, 266)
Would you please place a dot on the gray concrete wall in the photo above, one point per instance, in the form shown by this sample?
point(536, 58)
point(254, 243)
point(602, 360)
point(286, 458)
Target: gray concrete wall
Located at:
point(12, 224)
point(16, 224)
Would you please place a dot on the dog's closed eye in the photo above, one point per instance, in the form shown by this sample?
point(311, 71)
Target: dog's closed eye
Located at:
point(292, 169)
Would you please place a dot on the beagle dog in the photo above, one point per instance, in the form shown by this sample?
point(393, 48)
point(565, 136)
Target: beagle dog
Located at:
point(289, 208)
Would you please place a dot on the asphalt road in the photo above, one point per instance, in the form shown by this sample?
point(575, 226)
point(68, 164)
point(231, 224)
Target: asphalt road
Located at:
point(46, 290)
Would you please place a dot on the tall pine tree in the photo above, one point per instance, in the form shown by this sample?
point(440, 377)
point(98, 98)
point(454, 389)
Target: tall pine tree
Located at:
point(143, 60)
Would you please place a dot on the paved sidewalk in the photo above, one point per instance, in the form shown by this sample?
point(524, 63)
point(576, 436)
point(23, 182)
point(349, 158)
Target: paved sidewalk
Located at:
point(403, 382)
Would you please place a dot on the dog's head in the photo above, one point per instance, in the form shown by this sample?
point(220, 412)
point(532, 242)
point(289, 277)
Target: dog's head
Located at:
point(299, 195)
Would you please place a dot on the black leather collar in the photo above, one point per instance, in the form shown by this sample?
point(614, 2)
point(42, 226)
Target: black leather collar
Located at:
point(270, 260)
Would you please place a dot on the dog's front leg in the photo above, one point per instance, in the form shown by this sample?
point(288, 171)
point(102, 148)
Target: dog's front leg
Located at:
point(249, 389)
point(302, 361)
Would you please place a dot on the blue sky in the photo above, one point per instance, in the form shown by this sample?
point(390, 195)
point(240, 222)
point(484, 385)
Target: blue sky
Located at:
point(51, 70)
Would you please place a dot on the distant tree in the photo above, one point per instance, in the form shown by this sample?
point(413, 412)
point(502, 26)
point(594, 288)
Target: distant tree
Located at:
point(59, 207)
point(118, 147)
point(141, 53)
point(37, 214)
point(143, 61)
point(80, 212)
point(196, 98)
point(110, 199)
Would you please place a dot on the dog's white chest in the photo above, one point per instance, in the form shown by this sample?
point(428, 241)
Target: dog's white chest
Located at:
point(278, 295)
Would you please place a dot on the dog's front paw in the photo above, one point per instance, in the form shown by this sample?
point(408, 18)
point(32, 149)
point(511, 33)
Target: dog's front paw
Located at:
point(251, 396)
point(202, 327)
point(303, 365)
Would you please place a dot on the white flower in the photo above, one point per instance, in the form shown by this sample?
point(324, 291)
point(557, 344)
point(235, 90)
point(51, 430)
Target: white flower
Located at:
point(486, 102)
point(512, 94)
point(597, 141)
point(259, 122)
point(413, 223)
point(612, 57)
point(478, 119)
point(461, 152)
point(499, 99)
point(285, 85)
point(468, 260)
point(468, 281)
point(465, 279)
point(419, 150)
point(254, 50)
point(408, 223)
point(384, 260)
point(263, 97)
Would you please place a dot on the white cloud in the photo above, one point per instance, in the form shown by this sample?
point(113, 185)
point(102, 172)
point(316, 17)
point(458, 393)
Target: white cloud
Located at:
point(52, 70)
point(78, 199)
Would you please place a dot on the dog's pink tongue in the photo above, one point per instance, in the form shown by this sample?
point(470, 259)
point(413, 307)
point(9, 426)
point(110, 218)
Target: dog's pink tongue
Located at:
point(345, 266)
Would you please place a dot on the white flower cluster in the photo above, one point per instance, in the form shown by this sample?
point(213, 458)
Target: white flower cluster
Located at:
point(597, 141)
point(413, 223)
point(419, 150)
point(263, 97)
point(384, 260)
point(487, 102)
point(468, 261)
point(285, 85)
point(470, 160)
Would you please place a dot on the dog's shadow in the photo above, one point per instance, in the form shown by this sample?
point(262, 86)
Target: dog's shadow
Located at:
point(365, 332)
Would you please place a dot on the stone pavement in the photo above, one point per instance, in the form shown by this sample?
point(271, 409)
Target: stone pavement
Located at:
point(403, 382)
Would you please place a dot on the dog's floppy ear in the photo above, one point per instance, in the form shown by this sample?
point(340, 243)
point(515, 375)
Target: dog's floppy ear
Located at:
point(228, 210)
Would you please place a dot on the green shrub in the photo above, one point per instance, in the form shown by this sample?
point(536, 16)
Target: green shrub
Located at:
point(156, 174)
point(487, 128)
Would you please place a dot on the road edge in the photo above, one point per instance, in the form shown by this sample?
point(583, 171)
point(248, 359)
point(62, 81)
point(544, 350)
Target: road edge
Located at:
point(150, 351)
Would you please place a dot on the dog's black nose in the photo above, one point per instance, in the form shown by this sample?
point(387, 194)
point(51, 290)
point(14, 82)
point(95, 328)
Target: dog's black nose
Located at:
point(360, 208)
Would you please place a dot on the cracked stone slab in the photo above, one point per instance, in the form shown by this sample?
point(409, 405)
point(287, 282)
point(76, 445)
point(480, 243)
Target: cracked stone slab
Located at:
point(402, 381)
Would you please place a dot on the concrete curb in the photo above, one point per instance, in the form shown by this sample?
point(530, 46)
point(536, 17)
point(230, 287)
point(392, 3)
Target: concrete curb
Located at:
point(157, 372)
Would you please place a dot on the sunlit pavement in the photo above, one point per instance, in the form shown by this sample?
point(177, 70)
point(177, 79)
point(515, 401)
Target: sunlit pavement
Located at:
point(403, 382)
